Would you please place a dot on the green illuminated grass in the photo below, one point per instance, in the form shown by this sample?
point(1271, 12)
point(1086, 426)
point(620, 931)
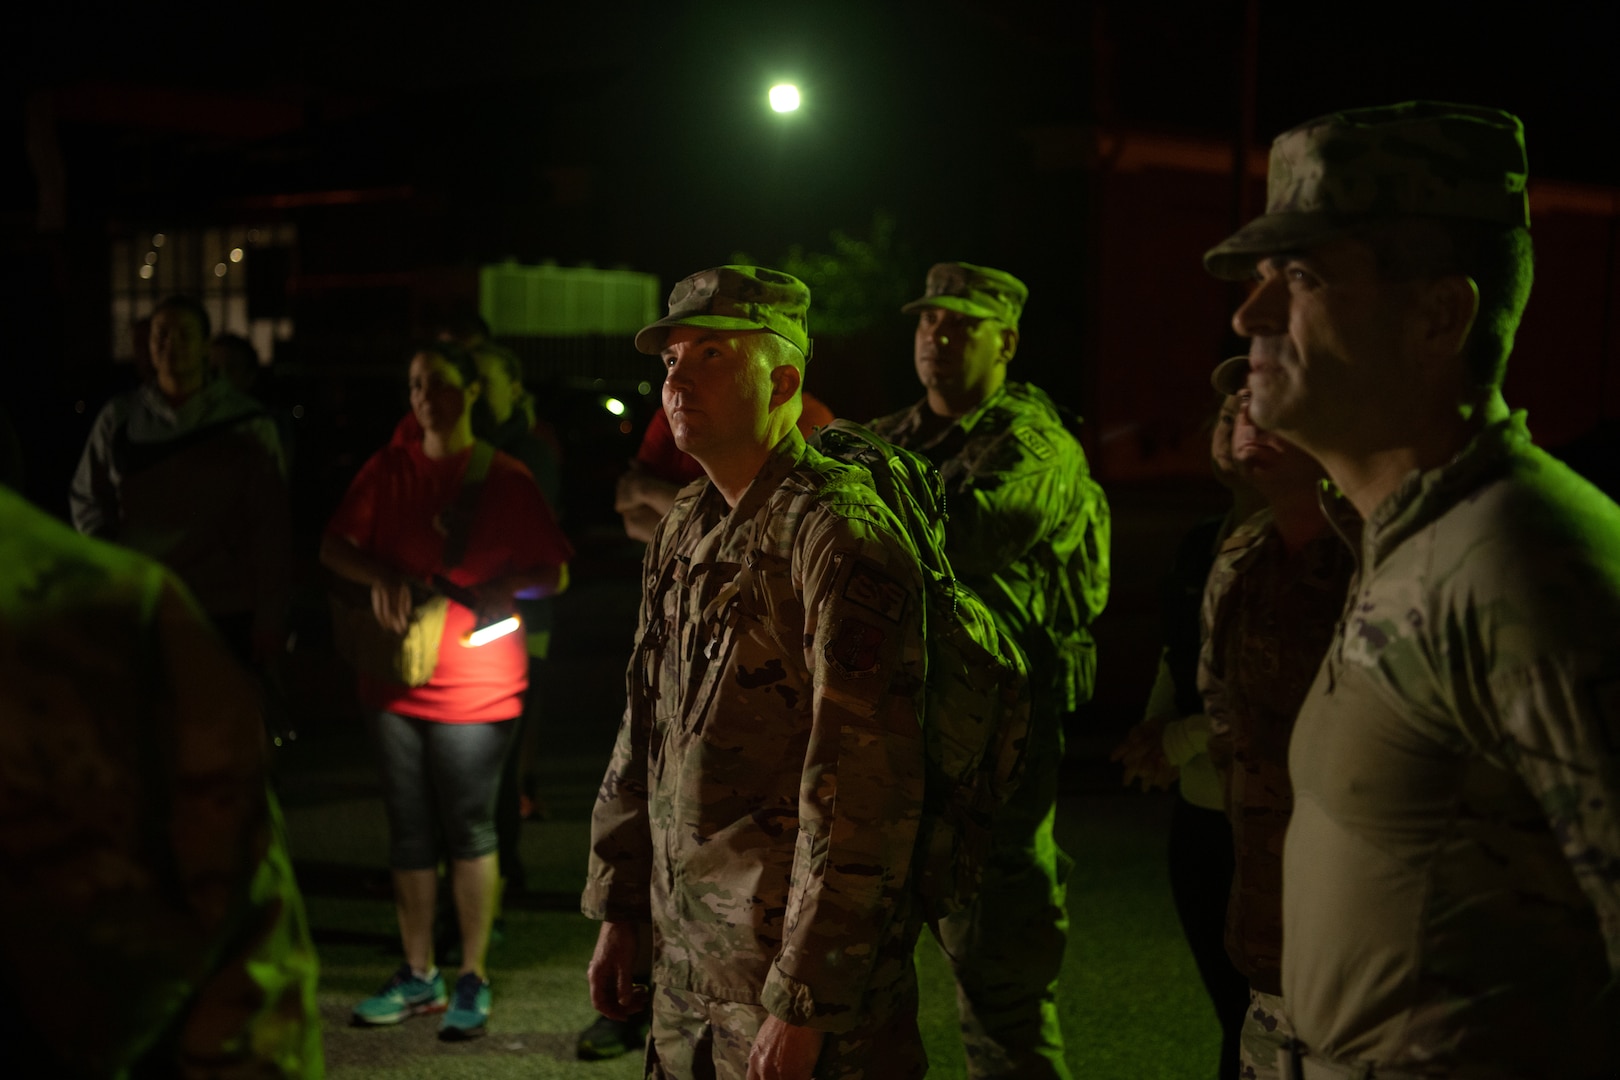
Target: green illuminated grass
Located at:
point(1131, 1004)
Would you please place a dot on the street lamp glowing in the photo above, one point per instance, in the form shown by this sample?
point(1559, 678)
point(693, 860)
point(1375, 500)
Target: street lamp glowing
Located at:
point(784, 97)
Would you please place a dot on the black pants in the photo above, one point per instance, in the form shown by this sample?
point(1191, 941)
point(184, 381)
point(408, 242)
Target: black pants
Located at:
point(1201, 866)
point(437, 774)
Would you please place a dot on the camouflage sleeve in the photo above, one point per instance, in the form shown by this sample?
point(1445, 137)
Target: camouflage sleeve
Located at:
point(618, 876)
point(1561, 731)
point(997, 516)
point(861, 791)
point(142, 849)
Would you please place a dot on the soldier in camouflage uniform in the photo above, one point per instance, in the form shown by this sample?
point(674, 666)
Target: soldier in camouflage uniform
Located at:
point(1271, 604)
point(152, 922)
point(1028, 531)
point(763, 800)
point(1451, 903)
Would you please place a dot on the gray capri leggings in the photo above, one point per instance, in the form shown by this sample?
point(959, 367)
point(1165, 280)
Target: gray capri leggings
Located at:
point(440, 774)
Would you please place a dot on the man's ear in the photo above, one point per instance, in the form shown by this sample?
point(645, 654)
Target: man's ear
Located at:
point(1009, 343)
point(1446, 312)
point(785, 380)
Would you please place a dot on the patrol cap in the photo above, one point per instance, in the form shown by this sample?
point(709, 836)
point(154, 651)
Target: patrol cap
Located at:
point(979, 291)
point(735, 298)
point(1230, 374)
point(1423, 158)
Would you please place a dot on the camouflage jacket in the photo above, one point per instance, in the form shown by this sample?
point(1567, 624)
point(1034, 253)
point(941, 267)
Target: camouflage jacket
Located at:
point(764, 796)
point(1268, 616)
point(144, 878)
point(1028, 527)
point(1451, 877)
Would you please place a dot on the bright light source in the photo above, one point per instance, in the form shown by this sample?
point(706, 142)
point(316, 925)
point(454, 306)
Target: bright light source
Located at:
point(613, 405)
point(146, 272)
point(489, 633)
point(784, 97)
point(236, 254)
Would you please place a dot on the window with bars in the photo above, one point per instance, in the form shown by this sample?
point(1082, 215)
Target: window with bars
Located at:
point(237, 272)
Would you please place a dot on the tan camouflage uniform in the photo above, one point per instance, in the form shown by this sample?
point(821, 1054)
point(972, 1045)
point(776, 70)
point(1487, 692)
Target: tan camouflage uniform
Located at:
point(1268, 617)
point(1028, 530)
point(152, 921)
point(1451, 874)
point(763, 800)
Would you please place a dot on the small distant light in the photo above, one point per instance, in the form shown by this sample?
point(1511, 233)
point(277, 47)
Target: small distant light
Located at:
point(146, 271)
point(298, 412)
point(784, 97)
point(220, 269)
point(597, 384)
point(78, 406)
point(158, 239)
point(643, 388)
point(613, 405)
point(490, 633)
point(236, 254)
point(151, 257)
point(625, 427)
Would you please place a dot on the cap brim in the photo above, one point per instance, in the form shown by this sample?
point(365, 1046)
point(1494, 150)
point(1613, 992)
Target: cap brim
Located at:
point(1230, 374)
point(1233, 259)
point(650, 338)
point(949, 303)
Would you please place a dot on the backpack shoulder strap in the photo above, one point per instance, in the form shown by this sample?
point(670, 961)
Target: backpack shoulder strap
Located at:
point(459, 520)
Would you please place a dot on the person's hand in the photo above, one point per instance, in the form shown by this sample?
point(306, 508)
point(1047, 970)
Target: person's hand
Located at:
point(627, 493)
point(784, 1051)
point(1142, 754)
point(493, 602)
point(392, 604)
point(611, 975)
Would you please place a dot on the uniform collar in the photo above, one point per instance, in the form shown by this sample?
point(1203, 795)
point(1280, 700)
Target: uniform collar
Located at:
point(1423, 497)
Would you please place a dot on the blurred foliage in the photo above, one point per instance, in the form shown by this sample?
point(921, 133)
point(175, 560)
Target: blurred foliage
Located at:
point(859, 283)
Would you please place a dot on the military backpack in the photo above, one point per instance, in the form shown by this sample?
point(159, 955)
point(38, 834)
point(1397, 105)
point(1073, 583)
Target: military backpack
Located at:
point(976, 708)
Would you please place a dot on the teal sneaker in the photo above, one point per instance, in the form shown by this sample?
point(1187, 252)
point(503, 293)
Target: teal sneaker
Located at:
point(404, 996)
point(467, 1013)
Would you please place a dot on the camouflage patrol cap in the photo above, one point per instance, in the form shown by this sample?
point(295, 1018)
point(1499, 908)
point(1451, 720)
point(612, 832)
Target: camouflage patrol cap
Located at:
point(735, 298)
point(978, 291)
point(1230, 374)
point(1420, 158)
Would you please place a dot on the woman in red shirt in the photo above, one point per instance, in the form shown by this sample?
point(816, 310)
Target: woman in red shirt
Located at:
point(441, 745)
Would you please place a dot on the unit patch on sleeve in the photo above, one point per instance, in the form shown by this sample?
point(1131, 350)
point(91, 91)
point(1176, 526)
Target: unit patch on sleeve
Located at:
point(855, 648)
point(1035, 441)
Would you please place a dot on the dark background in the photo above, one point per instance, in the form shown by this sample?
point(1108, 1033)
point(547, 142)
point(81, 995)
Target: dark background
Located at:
point(1087, 147)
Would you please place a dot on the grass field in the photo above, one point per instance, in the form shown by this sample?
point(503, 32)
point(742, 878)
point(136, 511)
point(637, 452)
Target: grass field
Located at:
point(1131, 1004)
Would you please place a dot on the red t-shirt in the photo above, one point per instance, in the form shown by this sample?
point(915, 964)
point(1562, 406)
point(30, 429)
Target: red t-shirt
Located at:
point(669, 462)
point(389, 512)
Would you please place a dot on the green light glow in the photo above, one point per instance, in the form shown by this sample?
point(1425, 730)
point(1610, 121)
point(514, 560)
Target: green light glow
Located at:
point(613, 405)
point(784, 97)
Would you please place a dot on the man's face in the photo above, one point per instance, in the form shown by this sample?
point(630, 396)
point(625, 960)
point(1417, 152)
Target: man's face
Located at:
point(958, 357)
point(1327, 341)
point(717, 390)
point(500, 390)
point(179, 351)
point(1265, 459)
point(1220, 442)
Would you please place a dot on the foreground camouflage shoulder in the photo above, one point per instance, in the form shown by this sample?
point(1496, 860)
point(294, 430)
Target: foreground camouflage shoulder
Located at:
point(138, 842)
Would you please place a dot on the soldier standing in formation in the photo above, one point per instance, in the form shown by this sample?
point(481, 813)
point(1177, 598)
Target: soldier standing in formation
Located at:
point(1450, 901)
point(762, 804)
point(1028, 531)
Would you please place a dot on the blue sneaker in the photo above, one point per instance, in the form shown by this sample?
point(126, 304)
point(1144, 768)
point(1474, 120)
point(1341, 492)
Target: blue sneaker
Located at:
point(404, 996)
point(468, 1012)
